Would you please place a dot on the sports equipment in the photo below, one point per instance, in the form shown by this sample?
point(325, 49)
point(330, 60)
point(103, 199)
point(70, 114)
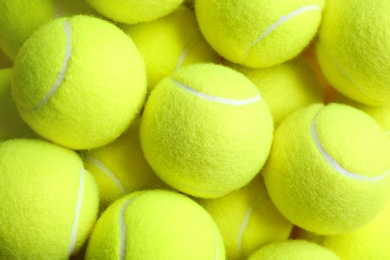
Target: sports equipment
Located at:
point(11, 124)
point(328, 170)
point(70, 100)
point(247, 219)
point(120, 168)
point(286, 87)
point(353, 49)
point(155, 224)
point(72, 7)
point(259, 33)
point(131, 12)
point(294, 250)
point(183, 44)
point(19, 19)
point(49, 203)
point(202, 134)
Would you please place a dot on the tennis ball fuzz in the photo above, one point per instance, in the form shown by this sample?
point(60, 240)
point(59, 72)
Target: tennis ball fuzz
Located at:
point(205, 130)
point(259, 33)
point(49, 203)
point(79, 82)
point(353, 50)
point(328, 170)
point(155, 224)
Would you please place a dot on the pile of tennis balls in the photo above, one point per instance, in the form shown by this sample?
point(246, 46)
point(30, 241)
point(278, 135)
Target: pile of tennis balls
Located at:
point(206, 129)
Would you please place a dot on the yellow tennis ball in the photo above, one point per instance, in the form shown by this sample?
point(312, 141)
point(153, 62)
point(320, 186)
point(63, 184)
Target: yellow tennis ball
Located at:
point(294, 250)
point(155, 224)
point(328, 170)
point(259, 33)
point(286, 87)
point(205, 130)
point(353, 49)
point(131, 12)
point(19, 19)
point(72, 7)
point(247, 219)
point(79, 82)
point(11, 124)
point(120, 168)
point(183, 44)
point(49, 203)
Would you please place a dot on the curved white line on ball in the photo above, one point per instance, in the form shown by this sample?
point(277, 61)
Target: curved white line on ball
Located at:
point(61, 75)
point(227, 101)
point(73, 236)
point(281, 20)
point(122, 249)
point(184, 53)
point(333, 163)
point(107, 171)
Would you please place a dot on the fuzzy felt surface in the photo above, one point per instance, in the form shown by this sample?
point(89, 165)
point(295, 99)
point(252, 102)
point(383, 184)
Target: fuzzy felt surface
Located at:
point(131, 12)
point(196, 140)
point(169, 43)
point(79, 96)
point(42, 210)
point(337, 188)
point(353, 58)
point(259, 33)
point(155, 224)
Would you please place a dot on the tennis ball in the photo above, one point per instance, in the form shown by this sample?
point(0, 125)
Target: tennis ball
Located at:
point(120, 168)
point(206, 131)
point(352, 57)
point(72, 7)
point(19, 19)
point(155, 224)
point(49, 203)
point(293, 250)
point(131, 12)
point(247, 219)
point(368, 242)
point(328, 168)
point(68, 99)
point(259, 33)
point(183, 44)
point(286, 87)
point(11, 124)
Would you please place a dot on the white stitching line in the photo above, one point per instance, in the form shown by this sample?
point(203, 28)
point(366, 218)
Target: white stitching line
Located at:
point(333, 163)
point(227, 101)
point(279, 22)
point(61, 75)
point(122, 249)
point(184, 53)
point(107, 171)
point(77, 214)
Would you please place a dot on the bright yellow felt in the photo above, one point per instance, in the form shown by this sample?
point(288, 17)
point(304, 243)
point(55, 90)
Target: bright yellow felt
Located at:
point(247, 219)
point(45, 195)
point(155, 224)
point(181, 39)
point(259, 33)
point(337, 183)
point(79, 96)
point(196, 140)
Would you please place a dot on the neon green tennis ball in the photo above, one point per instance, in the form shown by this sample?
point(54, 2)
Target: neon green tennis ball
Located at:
point(155, 224)
point(79, 82)
point(205, 130)
point(259, 33)
point(328, 170)
point(49, 203)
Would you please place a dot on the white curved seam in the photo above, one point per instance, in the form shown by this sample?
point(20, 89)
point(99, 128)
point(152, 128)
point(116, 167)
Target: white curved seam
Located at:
point(107, 171)
point(217, 248)
point(61, 75)
point(334, 164)
point(245, 223)
point(184, 53)
point(122, 249)
point(77, 214)
point(227, 101)
point(281, 20)
point(388, 132)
